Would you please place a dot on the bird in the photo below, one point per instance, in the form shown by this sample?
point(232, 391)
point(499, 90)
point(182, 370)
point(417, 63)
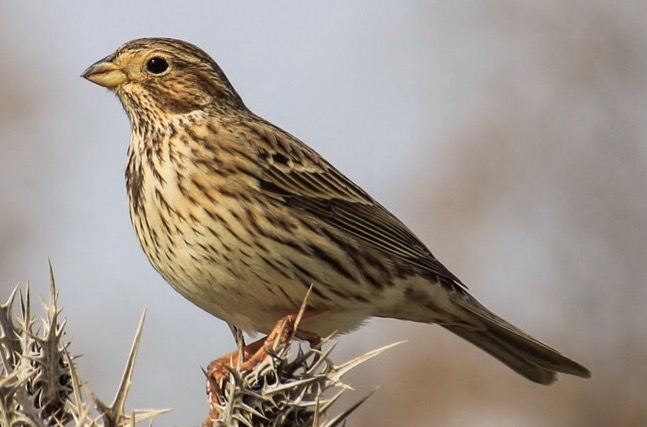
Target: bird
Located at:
point(242, 218)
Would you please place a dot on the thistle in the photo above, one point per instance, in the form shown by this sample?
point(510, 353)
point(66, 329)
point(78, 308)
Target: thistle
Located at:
point(293, 387)
point(39, 385)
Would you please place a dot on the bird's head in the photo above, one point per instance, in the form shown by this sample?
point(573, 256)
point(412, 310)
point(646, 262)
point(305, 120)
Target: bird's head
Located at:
point(164, 75)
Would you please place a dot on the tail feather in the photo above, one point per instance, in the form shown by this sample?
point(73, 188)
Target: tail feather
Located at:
point(510, 358)
point(518, 350)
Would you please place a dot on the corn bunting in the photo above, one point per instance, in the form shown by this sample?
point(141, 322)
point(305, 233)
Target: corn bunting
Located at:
point(241, 217)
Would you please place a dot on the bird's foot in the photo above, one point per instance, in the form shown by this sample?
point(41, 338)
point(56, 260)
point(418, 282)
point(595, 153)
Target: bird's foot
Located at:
point(219, 370)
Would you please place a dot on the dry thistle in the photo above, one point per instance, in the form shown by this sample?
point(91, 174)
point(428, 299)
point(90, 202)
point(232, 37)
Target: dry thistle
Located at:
point(289, 388)
point(35, 368)
point(39, 386)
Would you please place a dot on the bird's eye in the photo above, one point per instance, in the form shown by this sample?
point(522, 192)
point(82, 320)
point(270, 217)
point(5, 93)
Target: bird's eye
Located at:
point(157, 65)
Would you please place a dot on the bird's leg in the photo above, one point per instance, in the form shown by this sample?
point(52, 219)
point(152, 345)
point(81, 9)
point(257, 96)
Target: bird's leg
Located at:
point(283, 332)
point(254, 353)
point(218, 371)
point(248, 356)
point(240, 340)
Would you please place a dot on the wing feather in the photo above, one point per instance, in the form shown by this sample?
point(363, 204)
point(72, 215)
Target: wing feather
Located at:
point(305, 180)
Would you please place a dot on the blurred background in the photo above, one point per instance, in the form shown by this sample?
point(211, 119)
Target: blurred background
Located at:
point(510, 136)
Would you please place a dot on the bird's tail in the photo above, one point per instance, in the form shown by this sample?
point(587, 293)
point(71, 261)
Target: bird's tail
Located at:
point(518, 350)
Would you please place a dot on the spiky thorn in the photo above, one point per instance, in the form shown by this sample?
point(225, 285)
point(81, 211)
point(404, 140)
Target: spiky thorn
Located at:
point(79, 409)
point(286, 390)
point(51, 384)
point(13, 396)
point(341, 418)
point(115, 414)
point(283, 388)
point(41, 387)
point(344, 368)
point(39, 384)
point(9, 341)
point(302, 310)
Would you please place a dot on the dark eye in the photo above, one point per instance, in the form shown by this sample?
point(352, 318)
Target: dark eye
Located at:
point(157, 65)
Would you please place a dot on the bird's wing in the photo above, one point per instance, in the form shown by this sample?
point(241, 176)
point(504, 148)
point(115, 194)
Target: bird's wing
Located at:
point(304, 180)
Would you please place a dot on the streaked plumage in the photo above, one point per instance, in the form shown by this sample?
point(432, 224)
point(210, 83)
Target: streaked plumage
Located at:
point(241, 217)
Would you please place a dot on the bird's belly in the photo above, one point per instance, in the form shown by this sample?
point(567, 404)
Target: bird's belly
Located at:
point(243, 277)
point(215, 275)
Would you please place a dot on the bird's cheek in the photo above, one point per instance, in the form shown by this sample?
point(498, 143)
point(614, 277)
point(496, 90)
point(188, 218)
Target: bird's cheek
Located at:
point(184, 101)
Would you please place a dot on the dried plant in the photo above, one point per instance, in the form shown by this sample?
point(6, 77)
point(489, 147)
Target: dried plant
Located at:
point(292, 387)
point(40, 387)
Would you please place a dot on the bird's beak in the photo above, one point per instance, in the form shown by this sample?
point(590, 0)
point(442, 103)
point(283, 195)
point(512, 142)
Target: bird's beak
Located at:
point(105, 73)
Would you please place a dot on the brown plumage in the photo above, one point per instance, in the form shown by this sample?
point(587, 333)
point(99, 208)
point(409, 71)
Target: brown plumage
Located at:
point(241, 217)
